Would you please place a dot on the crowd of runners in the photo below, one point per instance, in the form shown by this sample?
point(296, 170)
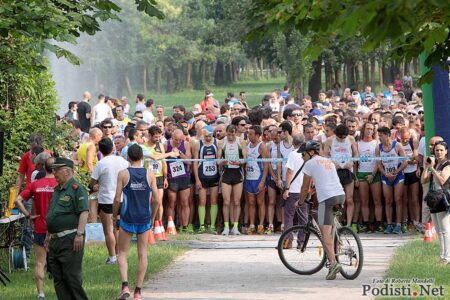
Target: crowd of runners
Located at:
point(226, 168)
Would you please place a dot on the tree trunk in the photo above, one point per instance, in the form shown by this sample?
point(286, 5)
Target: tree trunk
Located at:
point(416, 66)
point(247, 71)
point(380, 73)
point(372, 72)
point(127, 81)
point(328, 76)
point(144, 79)
point(338, 75)
point(315, 83)
point(357, 77)
point(158, 79)
point(350, 66)
point(366, 76)
point(255, 69)
point(189, 75)
point(261, 67)
point(219, 78)
point(406, 68)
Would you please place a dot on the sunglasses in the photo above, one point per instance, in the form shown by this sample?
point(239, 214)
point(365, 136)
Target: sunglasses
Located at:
point(342, 136)
point(107, 127)
point(421, 112)
point(296, 115)
point(244, 124)
point(412, 114)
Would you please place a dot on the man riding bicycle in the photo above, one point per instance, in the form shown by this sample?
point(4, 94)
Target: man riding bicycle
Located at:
point(329, 194)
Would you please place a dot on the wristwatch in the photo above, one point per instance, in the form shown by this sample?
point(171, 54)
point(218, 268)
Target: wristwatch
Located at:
point(80, 233)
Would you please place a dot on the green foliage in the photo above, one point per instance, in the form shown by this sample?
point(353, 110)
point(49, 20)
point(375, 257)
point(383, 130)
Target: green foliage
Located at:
point(45, 21)
point(410, 27)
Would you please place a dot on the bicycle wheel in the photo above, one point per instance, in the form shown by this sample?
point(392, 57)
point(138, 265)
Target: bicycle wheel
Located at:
point(349, 252)
point(301, 251)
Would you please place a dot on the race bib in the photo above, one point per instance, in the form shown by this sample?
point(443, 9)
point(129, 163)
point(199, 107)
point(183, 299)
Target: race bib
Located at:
point(156, 167)
point(209, 168)
point(252, 171)
point(390, 169)
point(177, 168)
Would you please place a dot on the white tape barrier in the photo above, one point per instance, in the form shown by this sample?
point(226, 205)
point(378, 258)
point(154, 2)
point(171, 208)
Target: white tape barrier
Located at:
point(337, 159)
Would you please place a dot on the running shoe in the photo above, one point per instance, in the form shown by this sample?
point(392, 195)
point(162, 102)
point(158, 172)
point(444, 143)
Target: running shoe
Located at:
point(212, 230)
point(287, 244)
point(380, 229)
point(190, 229)
point(111, 261)
point(124, 294)
point(244, 229)
point(269, 230)
point(411, 227)
point(363, 228)
point(397, 229)
point(389, 229)
point(226, 231)
point(137, 296)
point(404, 227)
point(336, 268)
point(201, 229)
point(420, 227)
point(355, 227)
point(235, 231)
point(41, 297)
point(251, 230)
point(260, 229)
point(282, 227)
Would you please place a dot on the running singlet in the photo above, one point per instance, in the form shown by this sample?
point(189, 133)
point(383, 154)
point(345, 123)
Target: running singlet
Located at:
point(391, 162)
point(253, 169)
point(208, 169)
point(366, 149)
point(82, 156)
point(177, 169)
point(156, 165)
point(232, 151)
point(274, 154)
point(341, 151)
point(135, 208)
point(409, 152)
point(284, 153)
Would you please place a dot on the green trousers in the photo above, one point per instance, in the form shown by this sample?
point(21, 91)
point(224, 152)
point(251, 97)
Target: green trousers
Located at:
point(65, 266)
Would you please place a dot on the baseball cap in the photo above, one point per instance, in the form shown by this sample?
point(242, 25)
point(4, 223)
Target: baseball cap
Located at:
point(208, 130)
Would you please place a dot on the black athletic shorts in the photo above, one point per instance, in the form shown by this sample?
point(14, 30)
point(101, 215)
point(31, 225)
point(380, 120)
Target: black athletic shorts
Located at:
point(160, 182)
point(411, 178)
point(232, 176)
point(209, 182)
point(179, 184)
point(106, 208)
point(345, 176)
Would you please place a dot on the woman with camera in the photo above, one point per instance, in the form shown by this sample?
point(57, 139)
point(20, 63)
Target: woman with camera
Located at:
point(436, 172)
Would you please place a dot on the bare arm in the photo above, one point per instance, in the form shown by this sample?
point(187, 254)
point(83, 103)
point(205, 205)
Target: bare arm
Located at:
point(404, 163)
point(91, 152)
point(305, 188)
point(121, 182)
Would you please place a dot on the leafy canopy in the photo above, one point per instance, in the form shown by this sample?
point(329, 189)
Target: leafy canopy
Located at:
point(409, 26)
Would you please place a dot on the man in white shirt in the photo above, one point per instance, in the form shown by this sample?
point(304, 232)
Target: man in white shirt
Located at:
point(293, 185)
point(147, 114)
point(140, 105)
point(104, 179)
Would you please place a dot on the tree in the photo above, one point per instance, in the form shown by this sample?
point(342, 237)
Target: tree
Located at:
point(411, 27)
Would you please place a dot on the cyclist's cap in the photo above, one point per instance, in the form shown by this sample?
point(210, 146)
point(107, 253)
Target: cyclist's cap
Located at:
point(302, 148)
point(208, 130)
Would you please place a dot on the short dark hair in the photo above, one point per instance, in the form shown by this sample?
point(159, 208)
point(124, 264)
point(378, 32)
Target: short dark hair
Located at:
point(132, 134)
point(106, 121)
point(140, 97)
point(286, 126)
point(72, 104)
point(36, 139)
point(384, 130)
point(105, 145)
point(224, 108)
point(154, 130)
point(287, 113)
point(398, 120)
point(341, 129)
point(257, 129)
point(230, 94)
point(149, 102)
point(135, 152)
point(177, 117)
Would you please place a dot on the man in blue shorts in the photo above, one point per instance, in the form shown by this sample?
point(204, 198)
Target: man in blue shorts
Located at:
point(136, 184)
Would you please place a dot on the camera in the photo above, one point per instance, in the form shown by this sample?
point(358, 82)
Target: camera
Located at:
point(430, 160)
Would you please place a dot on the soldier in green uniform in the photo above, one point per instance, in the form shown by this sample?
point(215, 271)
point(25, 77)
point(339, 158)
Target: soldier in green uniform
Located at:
point(66, 221)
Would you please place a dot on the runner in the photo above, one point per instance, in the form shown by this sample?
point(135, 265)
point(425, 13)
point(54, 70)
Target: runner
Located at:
point(136, 184)
point(232, 149)
point(392, 177)
point(369, 179)
point(275, 180)
point(104, 180)
point(179, 179)
point(206, 177)
point(255, 179)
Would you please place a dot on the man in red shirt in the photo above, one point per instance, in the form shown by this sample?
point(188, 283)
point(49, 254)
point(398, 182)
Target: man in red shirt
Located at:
point(26, 168)
point(41, 190)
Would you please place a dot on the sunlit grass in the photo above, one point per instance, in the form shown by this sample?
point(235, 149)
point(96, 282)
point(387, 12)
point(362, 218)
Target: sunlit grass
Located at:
point(100, 281)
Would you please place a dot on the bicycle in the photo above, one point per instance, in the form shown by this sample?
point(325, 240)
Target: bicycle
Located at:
point(301, 248)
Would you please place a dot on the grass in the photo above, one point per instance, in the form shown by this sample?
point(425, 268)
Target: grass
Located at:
point(417, 259)
point(254, 89)
point(100, 281)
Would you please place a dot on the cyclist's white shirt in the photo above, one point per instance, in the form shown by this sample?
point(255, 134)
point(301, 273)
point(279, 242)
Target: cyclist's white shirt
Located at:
point(323, 171)
point(294, 162)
